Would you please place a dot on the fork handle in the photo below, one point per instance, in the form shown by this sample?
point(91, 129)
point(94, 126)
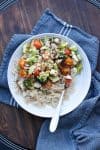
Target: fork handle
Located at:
point(55, 118)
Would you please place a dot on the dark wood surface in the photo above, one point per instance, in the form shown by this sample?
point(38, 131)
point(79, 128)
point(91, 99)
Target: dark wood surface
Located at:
point(18, 125)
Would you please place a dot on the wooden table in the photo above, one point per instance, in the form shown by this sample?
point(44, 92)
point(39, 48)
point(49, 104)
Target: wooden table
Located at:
point(18, 125)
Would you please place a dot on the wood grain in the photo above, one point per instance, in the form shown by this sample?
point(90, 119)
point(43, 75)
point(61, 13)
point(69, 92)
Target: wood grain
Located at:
point(18, 125)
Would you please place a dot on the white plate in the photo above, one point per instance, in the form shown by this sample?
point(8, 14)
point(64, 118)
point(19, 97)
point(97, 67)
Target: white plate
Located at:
point(81, 86)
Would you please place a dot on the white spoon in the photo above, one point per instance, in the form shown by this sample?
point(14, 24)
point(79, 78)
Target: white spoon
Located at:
point(55, 117)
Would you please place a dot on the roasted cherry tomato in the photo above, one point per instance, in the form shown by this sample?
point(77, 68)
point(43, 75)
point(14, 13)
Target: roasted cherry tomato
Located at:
point(68, 82)
point(37, 43)
point(67, 52)
point(36, 72)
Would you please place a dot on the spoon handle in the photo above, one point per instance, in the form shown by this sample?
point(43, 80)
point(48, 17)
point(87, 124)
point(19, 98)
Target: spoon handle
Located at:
point(55, 118)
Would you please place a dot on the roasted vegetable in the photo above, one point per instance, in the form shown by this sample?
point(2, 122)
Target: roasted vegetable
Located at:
point(37, 43)
point(22, 73)
point(36, 72)
point(65, 70)
point(28, 83)
point(47, 85)
point(67, 52)
point(22, 63)
point(68, 61)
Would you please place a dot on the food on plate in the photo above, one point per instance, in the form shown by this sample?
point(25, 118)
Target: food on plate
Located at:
point(47, 65)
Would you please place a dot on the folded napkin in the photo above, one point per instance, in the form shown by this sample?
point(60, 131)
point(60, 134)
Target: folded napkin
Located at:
point(79, 129)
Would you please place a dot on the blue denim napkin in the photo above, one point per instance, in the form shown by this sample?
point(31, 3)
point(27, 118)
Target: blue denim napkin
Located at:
point(79, 129)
